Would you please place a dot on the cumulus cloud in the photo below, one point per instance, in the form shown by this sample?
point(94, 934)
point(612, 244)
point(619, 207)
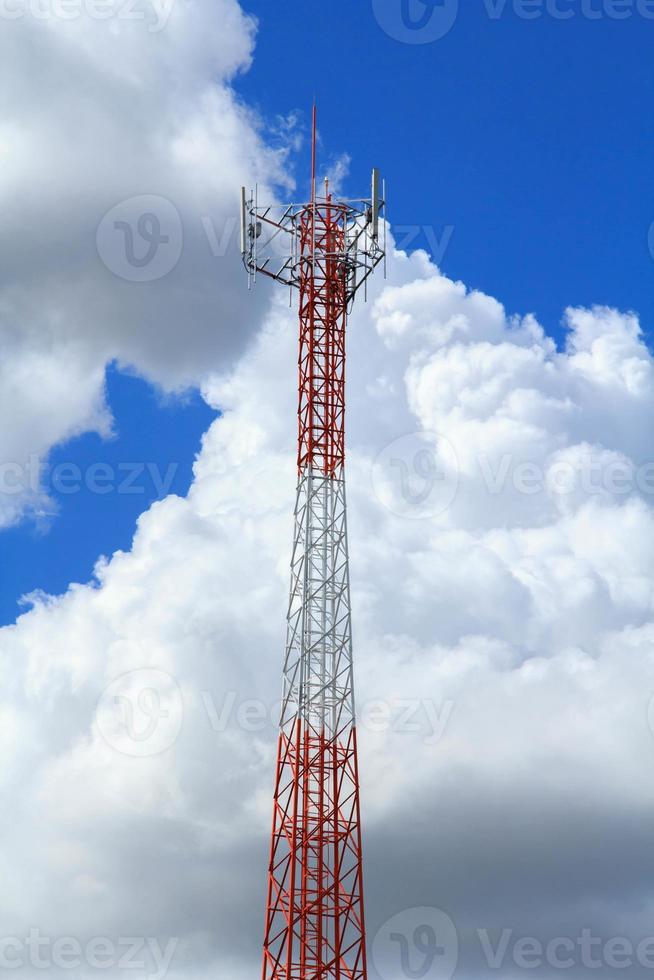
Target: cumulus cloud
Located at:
point(123, 147)
point(504, 622)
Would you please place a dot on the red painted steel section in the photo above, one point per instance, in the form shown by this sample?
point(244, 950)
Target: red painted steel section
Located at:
point(315, 926)
point(323, 318)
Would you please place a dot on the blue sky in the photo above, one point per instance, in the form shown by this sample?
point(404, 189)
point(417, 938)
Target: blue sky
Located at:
point(529, 139)
point(532, 138)
point(100, 487)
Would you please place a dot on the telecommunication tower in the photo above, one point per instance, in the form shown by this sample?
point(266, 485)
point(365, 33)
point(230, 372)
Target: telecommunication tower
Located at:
point(315, 927)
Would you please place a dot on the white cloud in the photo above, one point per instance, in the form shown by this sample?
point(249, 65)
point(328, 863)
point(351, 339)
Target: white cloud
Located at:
point(519, 626)
point(135, 107)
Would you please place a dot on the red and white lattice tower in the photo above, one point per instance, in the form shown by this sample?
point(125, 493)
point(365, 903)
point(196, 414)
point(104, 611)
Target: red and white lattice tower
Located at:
point(314, 912)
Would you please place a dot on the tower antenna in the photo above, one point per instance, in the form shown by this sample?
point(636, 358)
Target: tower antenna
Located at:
point(314, 131)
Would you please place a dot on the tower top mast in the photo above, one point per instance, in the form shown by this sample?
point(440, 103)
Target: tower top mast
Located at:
point(270, 233)
point(314, 132)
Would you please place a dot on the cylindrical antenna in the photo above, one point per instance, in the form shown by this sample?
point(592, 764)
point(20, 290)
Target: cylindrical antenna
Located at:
point(375, 203)
point(256, 213)
point(313, 153)
point(244, 230)
point(385, 225)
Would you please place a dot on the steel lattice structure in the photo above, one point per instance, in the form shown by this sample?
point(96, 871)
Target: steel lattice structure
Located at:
point(315, 928)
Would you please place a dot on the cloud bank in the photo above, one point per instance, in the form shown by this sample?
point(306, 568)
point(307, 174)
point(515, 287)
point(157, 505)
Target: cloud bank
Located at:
point(502, 538)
